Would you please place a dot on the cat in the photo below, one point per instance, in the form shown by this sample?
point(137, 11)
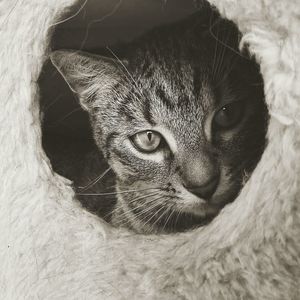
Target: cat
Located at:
point(180, 119)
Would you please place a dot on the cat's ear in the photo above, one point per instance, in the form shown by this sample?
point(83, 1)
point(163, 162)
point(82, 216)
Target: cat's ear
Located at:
point(87, 75)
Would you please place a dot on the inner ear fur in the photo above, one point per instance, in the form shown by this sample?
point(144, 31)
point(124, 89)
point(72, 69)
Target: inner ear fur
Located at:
point(87, 74)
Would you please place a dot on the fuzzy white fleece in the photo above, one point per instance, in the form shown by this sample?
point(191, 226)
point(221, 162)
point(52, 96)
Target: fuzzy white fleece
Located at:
point(50, 248)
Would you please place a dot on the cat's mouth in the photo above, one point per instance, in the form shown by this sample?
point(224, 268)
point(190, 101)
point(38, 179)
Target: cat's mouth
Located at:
point(210, 207)
point(205, 191)
point(198, 211)
point(171, 208)
point(196, 204)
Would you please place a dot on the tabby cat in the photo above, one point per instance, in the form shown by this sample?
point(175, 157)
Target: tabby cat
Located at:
point(180, 118)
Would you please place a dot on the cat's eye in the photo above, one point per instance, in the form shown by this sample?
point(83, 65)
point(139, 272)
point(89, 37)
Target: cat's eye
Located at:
point(229, 115)
point(146, 141)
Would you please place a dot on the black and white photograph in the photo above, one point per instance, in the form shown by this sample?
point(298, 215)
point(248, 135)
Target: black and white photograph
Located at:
point(150, 149)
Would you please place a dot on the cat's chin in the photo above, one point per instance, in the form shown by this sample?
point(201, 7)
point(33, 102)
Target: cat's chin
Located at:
point(188, 221)
point(203, 210)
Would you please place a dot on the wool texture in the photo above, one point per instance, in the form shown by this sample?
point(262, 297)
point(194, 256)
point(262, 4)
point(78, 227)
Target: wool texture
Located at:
point(51, 248)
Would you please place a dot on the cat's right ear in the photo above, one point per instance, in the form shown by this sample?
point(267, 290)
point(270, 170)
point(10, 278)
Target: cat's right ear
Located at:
point(90, 76)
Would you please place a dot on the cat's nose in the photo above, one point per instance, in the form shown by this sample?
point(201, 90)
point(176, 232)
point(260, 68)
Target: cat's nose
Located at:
point(206, 190)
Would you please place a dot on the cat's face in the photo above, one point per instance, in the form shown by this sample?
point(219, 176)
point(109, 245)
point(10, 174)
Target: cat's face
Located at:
point(179, 127)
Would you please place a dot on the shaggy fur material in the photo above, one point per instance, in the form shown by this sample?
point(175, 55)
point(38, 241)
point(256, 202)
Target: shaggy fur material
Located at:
point(50, 248)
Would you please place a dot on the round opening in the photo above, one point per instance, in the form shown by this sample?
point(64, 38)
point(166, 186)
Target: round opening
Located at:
point(230, 129)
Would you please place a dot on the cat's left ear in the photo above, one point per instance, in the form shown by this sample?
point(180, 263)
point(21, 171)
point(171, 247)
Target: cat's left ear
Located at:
point(88, 75)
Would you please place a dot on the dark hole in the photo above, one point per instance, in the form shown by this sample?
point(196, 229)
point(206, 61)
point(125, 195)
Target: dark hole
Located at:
point(93, 26)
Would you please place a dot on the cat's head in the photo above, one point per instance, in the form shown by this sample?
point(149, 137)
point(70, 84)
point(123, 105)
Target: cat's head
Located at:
point(181, 121)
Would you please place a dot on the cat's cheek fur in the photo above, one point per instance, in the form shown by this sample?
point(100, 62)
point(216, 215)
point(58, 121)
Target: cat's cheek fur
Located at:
point(227, 189)
point(118, 169)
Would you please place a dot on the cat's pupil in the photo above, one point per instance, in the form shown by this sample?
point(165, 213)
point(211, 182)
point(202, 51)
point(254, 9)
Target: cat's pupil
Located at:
point(149, 135)
point(229, 115)
point(226, 113)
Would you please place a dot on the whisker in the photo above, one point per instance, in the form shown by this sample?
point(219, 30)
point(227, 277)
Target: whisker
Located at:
point(147, 212)
point(216, 56)
point(72, 16)
point(179, 213)
point(120, 208)
point(110, 186)
point(126, 70)
point(220, 66)
point(144, 196)
point(94, 181)
point(95, 21)
point(136, 217)
point(57, 122)
point(169, 217)
point(161, 216)
point(139, 198)
point(154, 206)
point(115, 193)
point(224, 44)
point(47, 107)
point(148, 208)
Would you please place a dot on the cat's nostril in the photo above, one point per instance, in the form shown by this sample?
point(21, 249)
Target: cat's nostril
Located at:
point(204, 191)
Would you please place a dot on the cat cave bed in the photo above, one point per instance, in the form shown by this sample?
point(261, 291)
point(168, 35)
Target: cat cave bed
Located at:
point(51, 248)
